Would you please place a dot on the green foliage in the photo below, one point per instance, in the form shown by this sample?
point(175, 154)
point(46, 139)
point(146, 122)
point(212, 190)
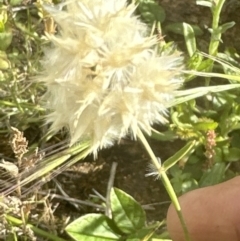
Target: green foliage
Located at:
point(151, 11)
point(178, 28)
point(190, 40)
point(128, 222)
point(212, 121)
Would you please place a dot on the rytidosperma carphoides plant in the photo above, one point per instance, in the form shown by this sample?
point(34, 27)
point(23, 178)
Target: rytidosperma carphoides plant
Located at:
point(106, 79)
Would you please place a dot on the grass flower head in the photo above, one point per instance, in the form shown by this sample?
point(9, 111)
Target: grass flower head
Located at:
point(103, 74)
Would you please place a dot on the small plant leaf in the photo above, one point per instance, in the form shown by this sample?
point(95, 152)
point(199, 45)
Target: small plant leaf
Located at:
point(143, 234)
point(205, 125)
point(179, 155)
point(5, 40)
point(208, 4)
point(93, 227)
point(195, 61)
point(15, 2)
point(178, 29)
point(163, 136)
point(151, 11)
point(189, 39)
point(4, 64)
point(127, 213)
point(223, 28)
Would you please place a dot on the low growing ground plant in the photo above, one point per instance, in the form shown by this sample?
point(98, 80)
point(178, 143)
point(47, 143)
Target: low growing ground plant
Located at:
point(101, 73)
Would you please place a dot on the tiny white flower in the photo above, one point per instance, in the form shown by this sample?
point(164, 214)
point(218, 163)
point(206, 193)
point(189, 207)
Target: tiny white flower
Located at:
point(103, 75)
point(153, 171)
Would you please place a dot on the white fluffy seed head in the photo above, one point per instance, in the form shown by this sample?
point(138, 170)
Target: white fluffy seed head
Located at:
point(103, 75)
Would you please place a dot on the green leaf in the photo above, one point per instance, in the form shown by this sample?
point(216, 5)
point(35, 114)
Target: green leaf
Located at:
point(189, 185)
point(189, 39)
point(127, 213)
point(208, 4)
point(5, 40)
point(223, 28)
point(218, 154)
point(93, 227)
point(178, 28)
point(15, 2)
point(4, 64)
point(3, 17)
point(235, 139)
point(179, 155)
point(233, 155)
point(141, 235)
point(163, 136)
point(205, 125)
point(213, 176)
point(195, 61)
point(151, 11)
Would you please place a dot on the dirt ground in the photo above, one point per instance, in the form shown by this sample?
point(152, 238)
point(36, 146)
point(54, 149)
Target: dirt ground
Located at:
point(132, 164)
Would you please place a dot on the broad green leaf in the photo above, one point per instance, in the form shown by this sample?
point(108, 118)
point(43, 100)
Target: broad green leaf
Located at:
point(205, 125)
point(127, 213)
point(189, 39)
point(213, 176)
point(93, 227)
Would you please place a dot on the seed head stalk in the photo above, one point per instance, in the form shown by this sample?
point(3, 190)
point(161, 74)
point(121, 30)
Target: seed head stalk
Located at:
point(166, 182)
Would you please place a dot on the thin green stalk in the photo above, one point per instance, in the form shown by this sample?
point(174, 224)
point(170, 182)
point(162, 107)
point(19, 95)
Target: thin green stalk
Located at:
point(36, 230)
point(166, 182)
point(149, 149)
point(215, 35)
point(214, 43)
point(168, 186)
